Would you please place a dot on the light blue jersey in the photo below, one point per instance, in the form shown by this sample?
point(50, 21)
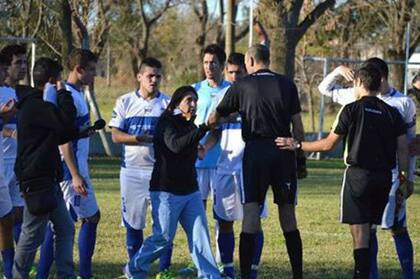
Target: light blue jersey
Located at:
point(206, 98)
point(9, 144)
point(80, 146)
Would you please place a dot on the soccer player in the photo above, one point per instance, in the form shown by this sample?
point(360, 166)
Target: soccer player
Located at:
point(174, 191)
point(77, 187)
point(16, 73)
point(133, 124)
point(227, 206)
point(374, 133)
point(394, 217)
point(213, 64)
point(269, 104)
point(6, 206)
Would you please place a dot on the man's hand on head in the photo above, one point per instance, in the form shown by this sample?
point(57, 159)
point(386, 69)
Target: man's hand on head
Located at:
point(346, 72)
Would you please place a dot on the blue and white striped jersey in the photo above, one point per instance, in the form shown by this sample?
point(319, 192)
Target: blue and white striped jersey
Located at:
point(80, 146)
point(231, 143)
point(9, 144)
point(134, 115)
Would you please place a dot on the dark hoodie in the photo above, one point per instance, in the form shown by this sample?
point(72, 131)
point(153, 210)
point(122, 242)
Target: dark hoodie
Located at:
point(42, 127)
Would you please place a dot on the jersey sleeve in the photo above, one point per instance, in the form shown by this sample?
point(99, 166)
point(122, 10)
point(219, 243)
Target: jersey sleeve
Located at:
point(230, 102)
point(342, 121)
point(118, 115)
point(294, 101)
point(329, 87)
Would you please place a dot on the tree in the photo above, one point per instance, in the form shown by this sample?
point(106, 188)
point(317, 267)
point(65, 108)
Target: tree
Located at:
point(394, 16)
point(286, 29)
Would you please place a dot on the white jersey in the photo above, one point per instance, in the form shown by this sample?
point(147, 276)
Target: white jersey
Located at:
point(231, 143)
point(9, 144)
point(80, 146)
point(394, 98)
point(134, 115)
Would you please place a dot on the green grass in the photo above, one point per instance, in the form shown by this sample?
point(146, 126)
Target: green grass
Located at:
point(326, 242)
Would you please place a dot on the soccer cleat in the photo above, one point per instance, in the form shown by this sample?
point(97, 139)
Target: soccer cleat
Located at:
point(33, 272)
point(189, 270)
point(166, 274)
point(127, 274)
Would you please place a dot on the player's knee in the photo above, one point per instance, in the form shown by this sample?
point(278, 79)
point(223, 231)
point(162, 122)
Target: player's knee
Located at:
point(225, 226)
point(94, 218)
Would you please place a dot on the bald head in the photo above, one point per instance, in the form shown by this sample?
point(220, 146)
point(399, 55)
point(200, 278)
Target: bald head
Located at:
point(257, 57)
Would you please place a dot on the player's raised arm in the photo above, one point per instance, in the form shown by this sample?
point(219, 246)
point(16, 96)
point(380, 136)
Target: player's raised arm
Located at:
point(329, 86)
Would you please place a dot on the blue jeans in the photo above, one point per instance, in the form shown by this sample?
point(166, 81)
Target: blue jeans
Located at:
point(33, 232)
point(167, 210)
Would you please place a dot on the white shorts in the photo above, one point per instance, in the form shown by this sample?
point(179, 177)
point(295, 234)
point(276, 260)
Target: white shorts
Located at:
point(227, 191)
point(389, 218)
point(84, 207)
point(205, 178)
point(227, 204)
point(5, 201)
point(11, 181)
point(135, 196)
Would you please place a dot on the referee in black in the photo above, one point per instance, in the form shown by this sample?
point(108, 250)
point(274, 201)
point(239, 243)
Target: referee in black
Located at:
point(374, 133)
point(269, 105)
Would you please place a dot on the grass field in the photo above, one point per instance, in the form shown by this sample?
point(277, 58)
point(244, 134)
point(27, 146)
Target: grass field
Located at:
point(327, 244)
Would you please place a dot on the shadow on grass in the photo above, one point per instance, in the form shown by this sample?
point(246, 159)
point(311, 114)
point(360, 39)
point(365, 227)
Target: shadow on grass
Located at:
point(267, 271)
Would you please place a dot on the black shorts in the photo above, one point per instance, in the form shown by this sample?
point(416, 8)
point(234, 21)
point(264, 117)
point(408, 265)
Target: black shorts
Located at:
point(263, 165)
point(364, 195)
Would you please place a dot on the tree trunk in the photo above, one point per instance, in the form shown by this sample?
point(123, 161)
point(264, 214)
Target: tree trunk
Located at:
point(65, 25)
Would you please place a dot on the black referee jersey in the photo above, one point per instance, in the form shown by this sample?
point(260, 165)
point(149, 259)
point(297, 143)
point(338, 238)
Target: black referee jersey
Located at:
point(370, 127)
point(266, 102)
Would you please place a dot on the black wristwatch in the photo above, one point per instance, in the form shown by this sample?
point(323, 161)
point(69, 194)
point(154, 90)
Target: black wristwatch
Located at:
point(298, 145)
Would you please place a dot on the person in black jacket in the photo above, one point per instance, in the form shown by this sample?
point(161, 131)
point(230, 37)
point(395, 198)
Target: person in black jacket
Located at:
point(174, 191)
point(42, 127)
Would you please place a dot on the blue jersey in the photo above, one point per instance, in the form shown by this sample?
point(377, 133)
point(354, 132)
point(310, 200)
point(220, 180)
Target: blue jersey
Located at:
point(80, 146)
point(206, 98)
point(134, 115)
point(9, 144)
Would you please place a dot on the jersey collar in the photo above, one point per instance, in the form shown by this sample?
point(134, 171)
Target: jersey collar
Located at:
point(137, 92)
point(73, 86)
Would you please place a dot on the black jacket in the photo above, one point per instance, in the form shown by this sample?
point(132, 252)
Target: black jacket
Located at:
point(175, 145)
point(42, 127)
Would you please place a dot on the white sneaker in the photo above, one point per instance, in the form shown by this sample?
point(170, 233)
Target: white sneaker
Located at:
point(127, 274)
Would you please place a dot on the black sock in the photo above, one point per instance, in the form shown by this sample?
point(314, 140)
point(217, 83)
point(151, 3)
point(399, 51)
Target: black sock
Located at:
point(246, 252)
point(294, 249)
point(361, 263)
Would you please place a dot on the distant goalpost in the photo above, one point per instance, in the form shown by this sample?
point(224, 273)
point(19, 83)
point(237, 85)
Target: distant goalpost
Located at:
point(25, 40)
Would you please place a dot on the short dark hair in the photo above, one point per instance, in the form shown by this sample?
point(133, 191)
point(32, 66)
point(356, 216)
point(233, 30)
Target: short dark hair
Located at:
point(5, 60)
point(216, 50)
point(370, 77)
point(260, 53)
point(150, 62)
point(11, 50)
point(80, 57)
point(236, 58)
point(44, 69)
point(380, 64)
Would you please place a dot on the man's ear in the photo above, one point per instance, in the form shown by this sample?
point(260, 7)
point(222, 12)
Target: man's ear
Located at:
point(138, 76)
point(79, 69)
